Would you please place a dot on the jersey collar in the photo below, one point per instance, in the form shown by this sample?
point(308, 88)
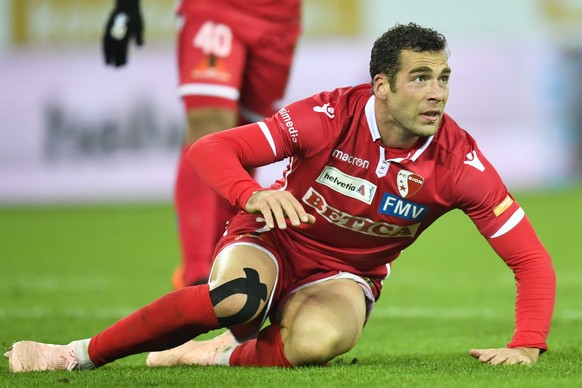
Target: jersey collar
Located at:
point(375, 133)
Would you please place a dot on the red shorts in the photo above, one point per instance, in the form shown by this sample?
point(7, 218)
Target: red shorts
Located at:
point(296, 269)
point(232, 59)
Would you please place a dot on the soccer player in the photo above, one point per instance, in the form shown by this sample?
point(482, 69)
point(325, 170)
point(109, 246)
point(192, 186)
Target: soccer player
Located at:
point(234, 61)
point(371, 167)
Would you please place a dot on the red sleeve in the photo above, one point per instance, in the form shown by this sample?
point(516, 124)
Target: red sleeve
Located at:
point(295, 130)
point(535, 278)
point(220, 160)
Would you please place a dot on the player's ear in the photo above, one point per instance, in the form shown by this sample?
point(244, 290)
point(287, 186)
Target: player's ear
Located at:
point(381, 86)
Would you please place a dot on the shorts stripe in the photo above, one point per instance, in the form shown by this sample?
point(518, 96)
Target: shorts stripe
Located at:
point(211, 90)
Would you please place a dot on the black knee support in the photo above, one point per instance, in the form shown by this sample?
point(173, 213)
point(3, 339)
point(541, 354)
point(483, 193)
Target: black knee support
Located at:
point(251, 286)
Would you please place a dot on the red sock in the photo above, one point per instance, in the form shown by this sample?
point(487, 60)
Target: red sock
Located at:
point(167, 322)
point(202, 215)
point(265, 350)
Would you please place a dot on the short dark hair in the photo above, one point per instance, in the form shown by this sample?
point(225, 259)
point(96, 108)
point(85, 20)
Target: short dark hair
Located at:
point(385, 57)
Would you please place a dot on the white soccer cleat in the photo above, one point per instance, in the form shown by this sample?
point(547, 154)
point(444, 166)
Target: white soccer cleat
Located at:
point(30, 356)
point(216, 351)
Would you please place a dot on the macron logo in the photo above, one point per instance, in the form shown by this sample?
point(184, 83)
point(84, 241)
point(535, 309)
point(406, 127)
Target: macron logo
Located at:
point(354, 161)
point(325, 108)
point(473, 160)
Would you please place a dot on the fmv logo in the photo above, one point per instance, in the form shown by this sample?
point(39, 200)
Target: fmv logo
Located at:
point(398, 207)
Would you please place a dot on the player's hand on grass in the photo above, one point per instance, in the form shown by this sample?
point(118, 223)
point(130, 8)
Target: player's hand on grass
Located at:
point(278, 206)
point(124, 24)
point(506, 356)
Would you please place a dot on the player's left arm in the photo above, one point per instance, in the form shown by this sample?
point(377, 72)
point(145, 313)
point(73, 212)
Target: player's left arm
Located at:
point(535, 279)
point(506, 356)
point(483, 196)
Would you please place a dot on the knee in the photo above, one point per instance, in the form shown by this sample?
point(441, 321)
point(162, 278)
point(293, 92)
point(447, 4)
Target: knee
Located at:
point(316, 343)
point(232, 307)
point(240, 300)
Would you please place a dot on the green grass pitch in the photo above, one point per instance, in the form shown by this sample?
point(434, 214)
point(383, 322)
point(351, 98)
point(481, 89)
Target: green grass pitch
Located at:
point(67, 272)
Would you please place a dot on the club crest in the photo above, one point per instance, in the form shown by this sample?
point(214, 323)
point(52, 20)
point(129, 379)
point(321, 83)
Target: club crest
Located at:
point(408, 183)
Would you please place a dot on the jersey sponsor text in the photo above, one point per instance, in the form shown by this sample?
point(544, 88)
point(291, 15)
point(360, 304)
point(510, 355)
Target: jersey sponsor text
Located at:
point(353, 160)
point(345, 184)
point(354, 223)
point(289, 124)
point(503, 206)
point(398, 207)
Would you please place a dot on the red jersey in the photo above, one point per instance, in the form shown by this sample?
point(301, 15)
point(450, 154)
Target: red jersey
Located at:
point(371, 201)
point(236, 54)
point(275, 10)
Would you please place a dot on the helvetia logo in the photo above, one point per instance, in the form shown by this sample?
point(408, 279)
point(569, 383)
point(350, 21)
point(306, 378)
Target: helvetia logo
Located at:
point(345, 184)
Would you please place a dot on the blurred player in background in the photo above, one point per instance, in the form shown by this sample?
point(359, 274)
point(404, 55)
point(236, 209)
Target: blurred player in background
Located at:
point(234, 60)
point(372, 166)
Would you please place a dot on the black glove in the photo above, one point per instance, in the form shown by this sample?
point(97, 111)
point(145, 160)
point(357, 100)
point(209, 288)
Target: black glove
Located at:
point(124, 24)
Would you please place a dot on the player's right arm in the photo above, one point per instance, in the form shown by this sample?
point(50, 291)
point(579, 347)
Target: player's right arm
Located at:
point(221, 159)
point(278, 206)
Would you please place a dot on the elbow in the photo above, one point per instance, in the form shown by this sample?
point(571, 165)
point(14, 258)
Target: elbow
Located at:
point(196, 152)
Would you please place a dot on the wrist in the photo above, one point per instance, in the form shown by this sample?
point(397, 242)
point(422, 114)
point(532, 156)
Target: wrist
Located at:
point(533, 353)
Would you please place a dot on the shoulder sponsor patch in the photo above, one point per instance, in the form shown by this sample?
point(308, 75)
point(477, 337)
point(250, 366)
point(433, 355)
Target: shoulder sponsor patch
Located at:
point(348, 185)
point(287, 122)
point(503, 206)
